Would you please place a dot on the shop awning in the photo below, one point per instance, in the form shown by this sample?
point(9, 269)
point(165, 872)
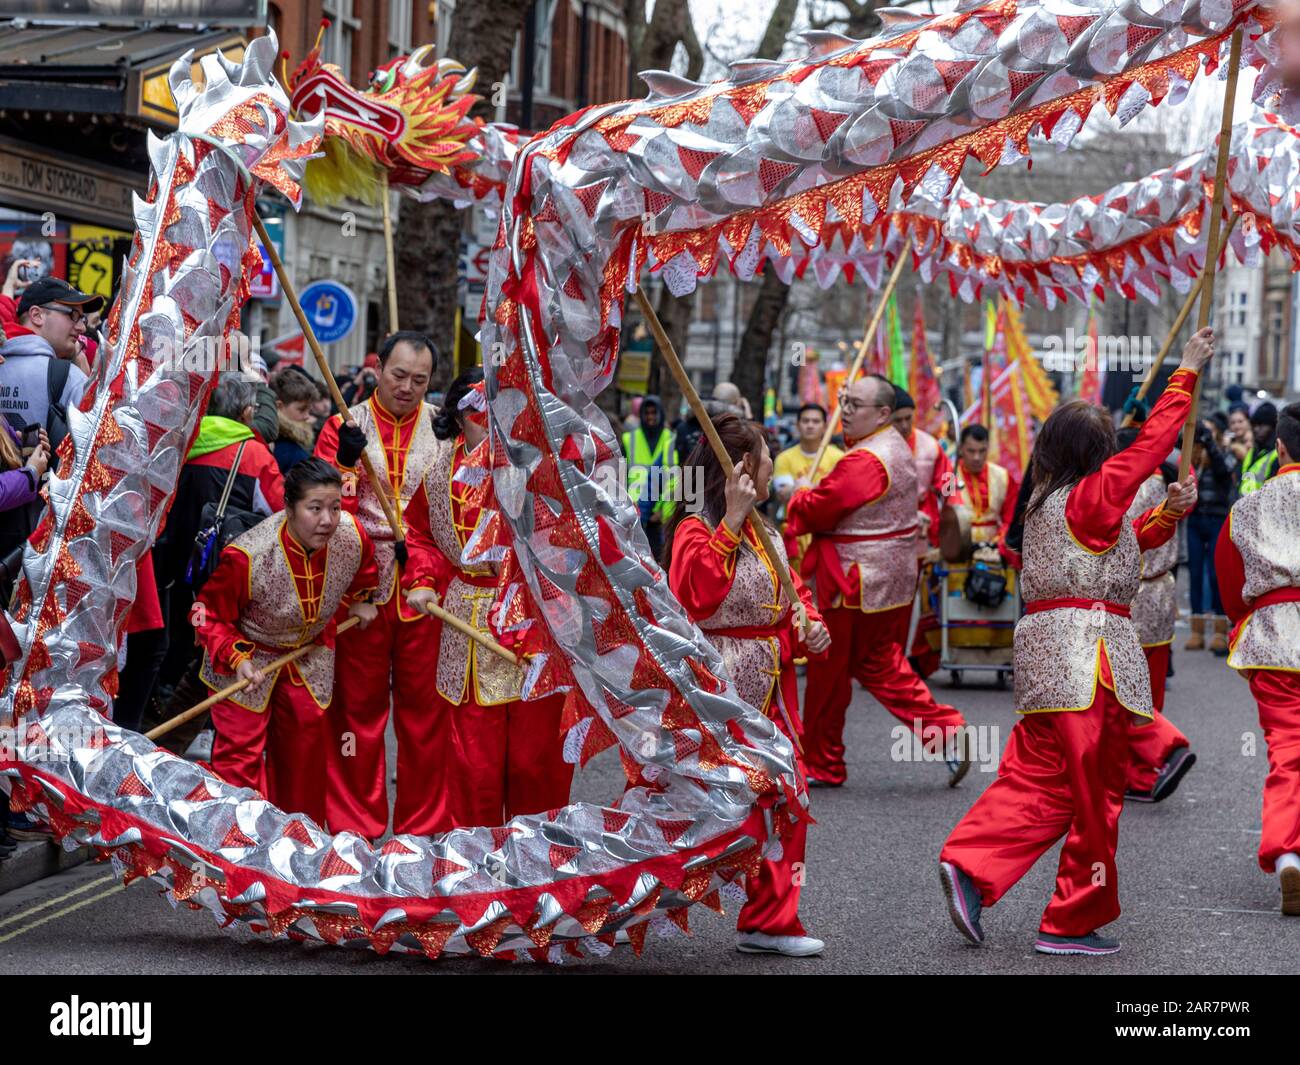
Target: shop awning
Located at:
point(100, 69)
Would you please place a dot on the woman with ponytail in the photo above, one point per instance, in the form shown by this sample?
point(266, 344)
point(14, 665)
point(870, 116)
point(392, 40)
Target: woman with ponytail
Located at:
point(720, 574)
point(1080, 671)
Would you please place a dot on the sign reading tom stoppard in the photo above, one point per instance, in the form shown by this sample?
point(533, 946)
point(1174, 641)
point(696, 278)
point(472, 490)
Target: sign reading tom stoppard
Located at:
point(41, 181)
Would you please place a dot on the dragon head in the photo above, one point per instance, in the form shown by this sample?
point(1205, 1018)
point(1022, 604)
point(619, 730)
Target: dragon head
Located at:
point(408, 124)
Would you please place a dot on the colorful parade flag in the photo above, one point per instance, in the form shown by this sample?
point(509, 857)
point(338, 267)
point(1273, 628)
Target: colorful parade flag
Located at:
point(923, 382)
point(897, 372)
point(1039, 392)
point(1091, 380)
point(811, 389)
point(1008, 428)
point(992, 330)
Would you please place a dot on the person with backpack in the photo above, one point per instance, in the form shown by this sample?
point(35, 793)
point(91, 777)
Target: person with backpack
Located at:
point(226, 452)
point(285, 583)
point(38, 379)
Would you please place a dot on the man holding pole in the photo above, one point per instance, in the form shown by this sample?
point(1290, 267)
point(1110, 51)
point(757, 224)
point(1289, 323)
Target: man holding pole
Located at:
point(277, 587)
point(508, 752)
point(389, 661)
point(863, 517)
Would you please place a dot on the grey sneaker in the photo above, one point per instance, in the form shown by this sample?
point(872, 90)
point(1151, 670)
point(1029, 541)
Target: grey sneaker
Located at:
point(1089, 944)
point(200, 748)
point(964, 903)
point(959, 763)
point(790, 946)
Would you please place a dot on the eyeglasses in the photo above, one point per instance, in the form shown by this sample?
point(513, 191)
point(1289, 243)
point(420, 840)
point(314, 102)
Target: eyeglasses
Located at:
point(76, 316)
point(848, 405)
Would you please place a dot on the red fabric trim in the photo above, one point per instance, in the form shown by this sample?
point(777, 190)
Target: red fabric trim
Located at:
point(1277, 595)
point(1072, 602)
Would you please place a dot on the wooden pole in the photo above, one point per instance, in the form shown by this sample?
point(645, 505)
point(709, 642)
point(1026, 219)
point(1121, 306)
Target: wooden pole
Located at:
point(388, 247)
point(833, 422)
point(1212, 241)
point(678, 371)
point(1174, 330)
point(482, 639)
point(390, 511)
point(238, 686)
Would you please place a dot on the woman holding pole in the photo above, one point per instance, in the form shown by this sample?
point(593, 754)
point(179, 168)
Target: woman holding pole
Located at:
point(718, 571)
point(284, 583)
point(507, 752)
point(1080, 672)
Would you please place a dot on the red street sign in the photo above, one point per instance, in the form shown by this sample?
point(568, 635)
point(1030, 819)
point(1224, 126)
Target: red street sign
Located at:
point(291, 348)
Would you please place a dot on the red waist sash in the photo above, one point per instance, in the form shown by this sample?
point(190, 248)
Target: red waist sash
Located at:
point(1277, 595)
point(754, 632)
point(1070, 602)
point(858, 538)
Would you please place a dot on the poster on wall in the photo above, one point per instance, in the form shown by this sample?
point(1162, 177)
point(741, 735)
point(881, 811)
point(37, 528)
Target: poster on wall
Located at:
point(28, 236)
point(95, 256)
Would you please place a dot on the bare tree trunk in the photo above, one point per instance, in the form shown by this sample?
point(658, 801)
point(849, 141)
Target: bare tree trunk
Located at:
point(750, 369)
point(427, 235)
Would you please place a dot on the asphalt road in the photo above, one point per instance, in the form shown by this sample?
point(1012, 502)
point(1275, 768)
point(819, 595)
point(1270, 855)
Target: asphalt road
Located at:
point(1194, 899)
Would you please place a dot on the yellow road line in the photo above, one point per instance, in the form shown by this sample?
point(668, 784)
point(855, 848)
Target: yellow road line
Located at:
point(59, 913)
point(58, 898)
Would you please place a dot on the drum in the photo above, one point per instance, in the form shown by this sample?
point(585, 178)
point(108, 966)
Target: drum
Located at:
point(955, 543)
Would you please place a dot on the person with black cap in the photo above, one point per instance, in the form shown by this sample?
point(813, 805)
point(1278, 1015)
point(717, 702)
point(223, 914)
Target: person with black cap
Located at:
point(38, 380)
point(1260, 462)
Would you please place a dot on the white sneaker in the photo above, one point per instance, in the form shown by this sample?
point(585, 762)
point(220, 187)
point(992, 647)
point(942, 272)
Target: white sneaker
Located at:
point(790, 946)
point(1288, 872)
point(200, 748)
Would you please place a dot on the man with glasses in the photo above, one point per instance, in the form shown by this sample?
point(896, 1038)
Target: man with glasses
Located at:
point(38, 380)
point(863, 520)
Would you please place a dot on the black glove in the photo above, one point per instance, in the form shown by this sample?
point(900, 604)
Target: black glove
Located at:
point(352, 441)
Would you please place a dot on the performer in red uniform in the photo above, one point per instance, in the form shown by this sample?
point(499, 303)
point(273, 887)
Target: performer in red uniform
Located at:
point(1159, 754)
point(1079, 671)
point(933, 468)
point(983, 493)
point(507, 753)
point(389, 660)
point(1257, 561)
point(863, 517)
point(282, 584)
point(720, 574)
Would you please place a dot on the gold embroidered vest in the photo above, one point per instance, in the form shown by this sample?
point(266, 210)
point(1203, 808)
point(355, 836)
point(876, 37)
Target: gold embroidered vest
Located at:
point(1263, 527)
point(370, 512)
point(1057, 652)
point(887, 560)
point(469, 596)
point(274, 616)
point(1155, 607)
point(983, 525)
point(755, 599)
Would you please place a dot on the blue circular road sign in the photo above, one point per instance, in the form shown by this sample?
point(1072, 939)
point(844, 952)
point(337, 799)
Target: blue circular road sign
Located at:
point(331, 309)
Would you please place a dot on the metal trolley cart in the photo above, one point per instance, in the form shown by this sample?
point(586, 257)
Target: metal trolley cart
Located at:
point(970, 637)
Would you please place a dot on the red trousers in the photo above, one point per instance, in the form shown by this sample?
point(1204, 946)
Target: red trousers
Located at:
point(1062, 774)
point(293, 735)
point(509, 760)
point(867, 648)
point(1278, 694)
point(1150, 743)
point(773, 903)
point(391, 661)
